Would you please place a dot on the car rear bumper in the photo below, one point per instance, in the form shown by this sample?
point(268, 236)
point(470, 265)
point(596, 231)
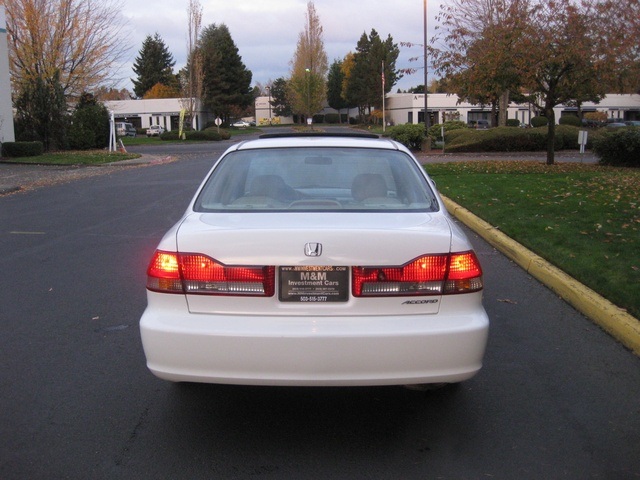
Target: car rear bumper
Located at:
point(314, 351)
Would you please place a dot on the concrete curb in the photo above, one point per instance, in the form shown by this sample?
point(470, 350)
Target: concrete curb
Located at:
point(616, 321)
point(8, 189)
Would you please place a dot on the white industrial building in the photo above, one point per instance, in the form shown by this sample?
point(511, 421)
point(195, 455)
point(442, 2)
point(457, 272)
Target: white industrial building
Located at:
point(158, 111)
point(7, 133)
point(401, 108)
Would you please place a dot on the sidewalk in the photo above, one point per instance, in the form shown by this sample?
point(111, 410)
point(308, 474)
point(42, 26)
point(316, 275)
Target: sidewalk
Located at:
point(15, 177)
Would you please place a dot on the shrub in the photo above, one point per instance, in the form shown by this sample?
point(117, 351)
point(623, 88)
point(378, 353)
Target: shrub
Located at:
point(169, 135)
point(435, 132)
point(410, 135)
point(570, 120)
point(508, 139)
point(332, 118)
point(89, 127)
point(207, 135)
point(539, 122)
point(513, 122)
point(22, 149)
point(619, 148)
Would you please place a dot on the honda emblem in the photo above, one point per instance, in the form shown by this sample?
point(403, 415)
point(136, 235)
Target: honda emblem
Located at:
point(313, 249)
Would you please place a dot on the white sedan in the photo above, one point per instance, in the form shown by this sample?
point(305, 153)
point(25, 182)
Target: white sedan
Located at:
point(315, 260)
point(240, 124)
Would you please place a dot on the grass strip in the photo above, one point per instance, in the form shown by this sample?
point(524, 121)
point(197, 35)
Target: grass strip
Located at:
point(584, 219)
point(85, 157)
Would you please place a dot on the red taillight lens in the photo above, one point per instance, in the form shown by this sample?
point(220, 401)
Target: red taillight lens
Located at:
point(163, 274)
point(465, 274)
point(426, 275)
point(199, 274)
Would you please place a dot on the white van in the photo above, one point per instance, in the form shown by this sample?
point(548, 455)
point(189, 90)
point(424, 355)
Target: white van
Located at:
point(124, 129)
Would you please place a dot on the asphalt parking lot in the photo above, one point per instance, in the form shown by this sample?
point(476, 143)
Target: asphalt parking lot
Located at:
point(556, 398)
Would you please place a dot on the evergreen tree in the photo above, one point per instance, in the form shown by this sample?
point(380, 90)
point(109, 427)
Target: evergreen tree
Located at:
point(89, 124)
point(279, 99)
point(334, 87)
point(154, 64)
point(226, 80)
point(364, 87)
point(41, 112)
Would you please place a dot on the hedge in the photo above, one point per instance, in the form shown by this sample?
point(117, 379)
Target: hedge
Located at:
point(508, 139)
point(22, 149)
point(206, 135)
point(409, 134)
point(620, 147)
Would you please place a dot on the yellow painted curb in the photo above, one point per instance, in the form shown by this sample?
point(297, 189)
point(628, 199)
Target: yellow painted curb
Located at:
point(622, 326)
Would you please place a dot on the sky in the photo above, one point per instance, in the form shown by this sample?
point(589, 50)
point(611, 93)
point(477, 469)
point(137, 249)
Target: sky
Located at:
point(266, 31)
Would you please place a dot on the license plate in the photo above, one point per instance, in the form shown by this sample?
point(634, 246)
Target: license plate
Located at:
point(314, 284)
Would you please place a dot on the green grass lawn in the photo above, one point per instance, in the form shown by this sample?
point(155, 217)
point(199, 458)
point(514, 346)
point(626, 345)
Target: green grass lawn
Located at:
point(84, 157)
point(582, 218)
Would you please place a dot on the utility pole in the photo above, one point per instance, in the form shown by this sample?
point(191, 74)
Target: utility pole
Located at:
point(426, 145)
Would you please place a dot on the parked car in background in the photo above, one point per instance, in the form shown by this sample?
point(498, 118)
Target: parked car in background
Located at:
point(632, 123)
point(124, 129)
point(240, 124)
point(613, 125)
point(155, 131)
point(315, 260)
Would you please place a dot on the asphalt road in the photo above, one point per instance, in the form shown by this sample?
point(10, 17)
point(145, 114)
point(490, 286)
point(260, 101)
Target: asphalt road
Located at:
point(557, 397)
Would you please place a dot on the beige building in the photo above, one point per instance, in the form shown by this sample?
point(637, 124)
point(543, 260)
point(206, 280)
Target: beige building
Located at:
point(401, 108)
point(409, 108)
point(7, 133)
point(160, 111)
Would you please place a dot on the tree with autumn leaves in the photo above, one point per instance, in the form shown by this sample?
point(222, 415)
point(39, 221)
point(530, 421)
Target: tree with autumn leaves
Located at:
point(357, 80)
point(309, 67)
point(58, 49)
point(547, 52)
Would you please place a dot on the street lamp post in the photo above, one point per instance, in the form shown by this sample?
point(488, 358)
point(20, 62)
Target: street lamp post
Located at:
point(309, 120)
point(427, 141)
point(269, 93)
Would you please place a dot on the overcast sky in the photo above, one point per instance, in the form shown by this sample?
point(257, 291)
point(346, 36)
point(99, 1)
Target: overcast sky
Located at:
point(266, 31)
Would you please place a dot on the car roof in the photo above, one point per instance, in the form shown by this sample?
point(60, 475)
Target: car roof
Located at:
point(321, 140)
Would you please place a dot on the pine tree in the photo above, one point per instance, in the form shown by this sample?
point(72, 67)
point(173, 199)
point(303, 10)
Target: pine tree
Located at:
point(226, 80)
point(154, 64)
point(334, 87)
point(364, 86)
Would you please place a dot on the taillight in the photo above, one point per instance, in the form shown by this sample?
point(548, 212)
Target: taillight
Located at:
point(426, 275)
point(192, 273)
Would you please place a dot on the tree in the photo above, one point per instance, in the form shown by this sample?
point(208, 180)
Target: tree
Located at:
point(226, 80)
point(191, 77)
point(478, 59)
point(309, 67)
point(555, 51)
point(561, 63)
point(89, 124)
point(160, 90)
point(334, 87)
point(74, 43)
point(103, 94)
point(373, 59)
point(279, 98)
point(154, 64)
point(41, 112)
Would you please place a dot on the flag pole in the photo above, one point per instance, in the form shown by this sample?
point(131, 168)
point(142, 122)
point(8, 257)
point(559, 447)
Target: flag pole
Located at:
point(384, 121)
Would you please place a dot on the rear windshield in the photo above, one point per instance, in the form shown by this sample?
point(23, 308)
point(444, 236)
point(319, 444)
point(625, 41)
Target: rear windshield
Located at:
point(316, 179)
